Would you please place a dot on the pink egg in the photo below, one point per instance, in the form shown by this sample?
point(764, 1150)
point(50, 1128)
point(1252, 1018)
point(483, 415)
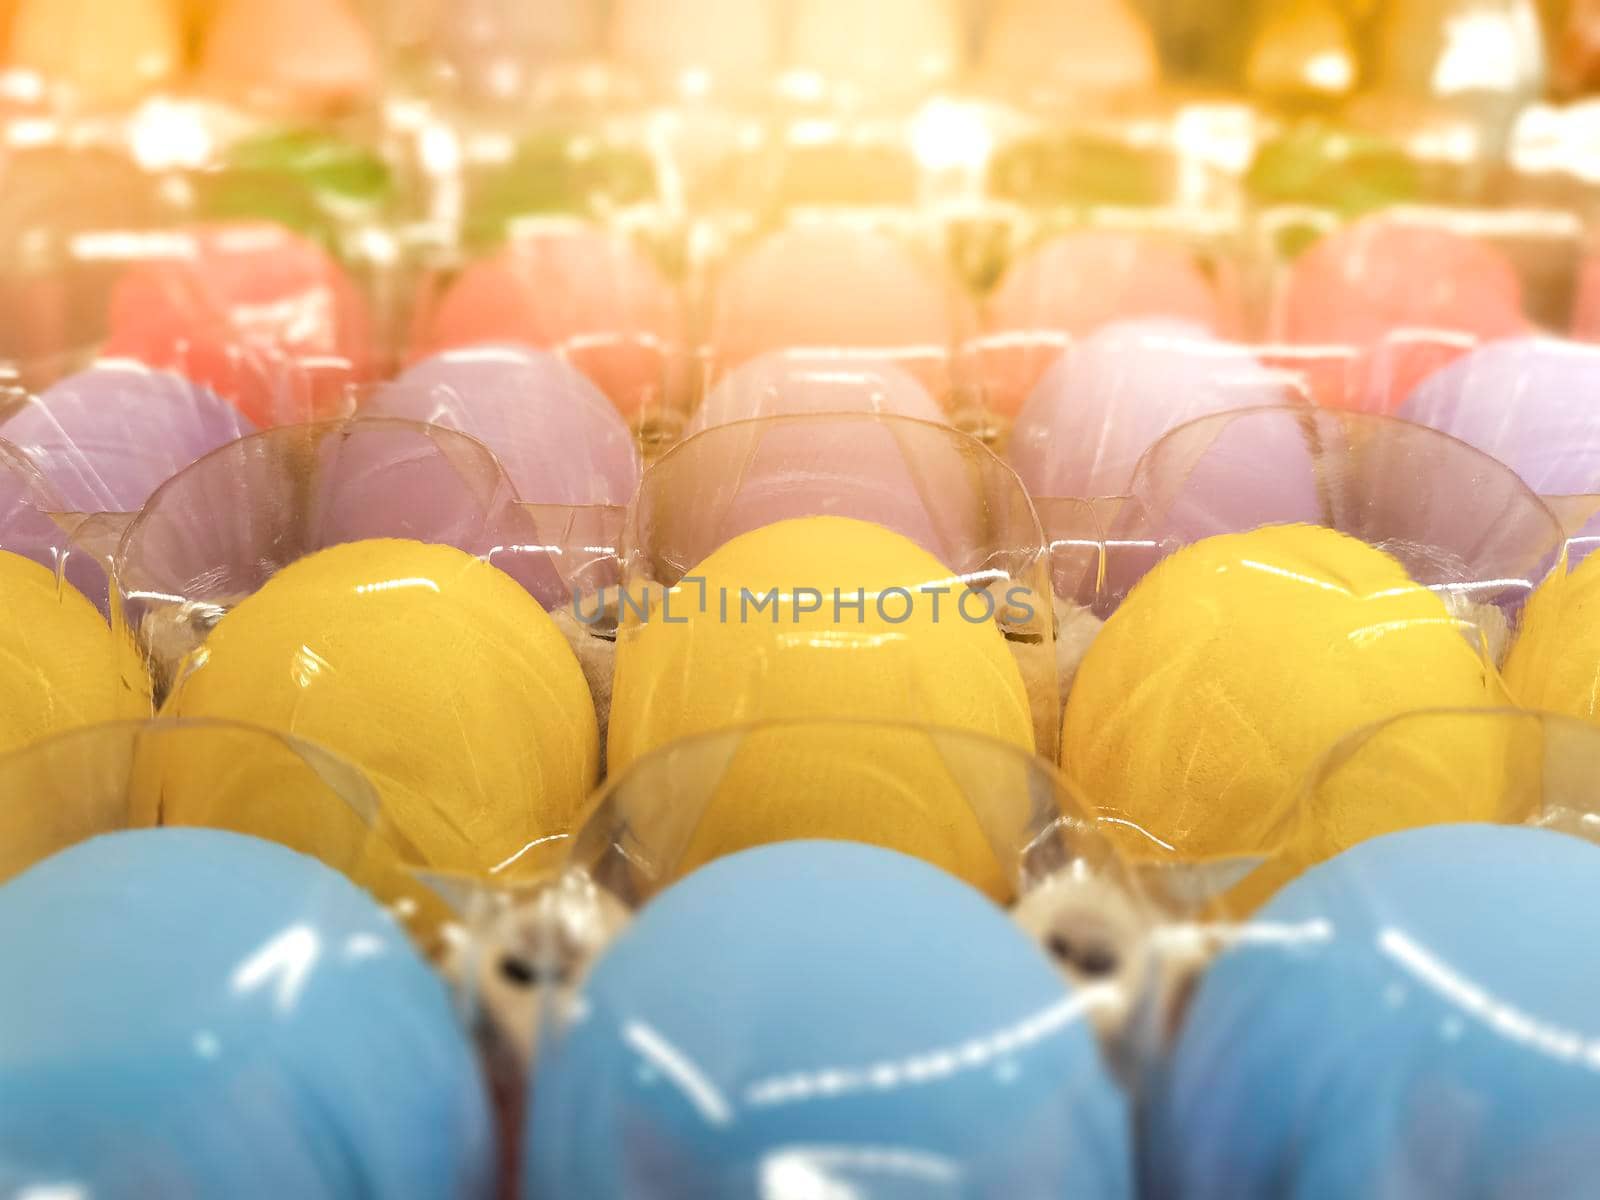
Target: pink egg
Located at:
point(584, 294)
point(837, 286)
point(558, 438)
point(789, 383)
point(262, 316)
point(1107, 400)
point(1073, 285)
point(1413, 296)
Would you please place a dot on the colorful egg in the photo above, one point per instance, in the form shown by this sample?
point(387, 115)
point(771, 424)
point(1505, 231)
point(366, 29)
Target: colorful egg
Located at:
point(558, 438)
point(361, 647)
point(256, 313)
point(1408, 1019)
point(1412, 295)
point(835, 286)
point(584, 294)
point(107, 437)
point(61, 665)
point(306, 57)
point(262, 1004)
point(103, 52)
point(1107, 401)
point(1525, 402)
point(893, 660)
point(743, 1036)
point(1216, 687)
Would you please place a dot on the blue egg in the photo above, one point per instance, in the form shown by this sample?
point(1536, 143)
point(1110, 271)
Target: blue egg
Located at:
point(191, 1013)
point(1419, 1017)
point(824, 1019)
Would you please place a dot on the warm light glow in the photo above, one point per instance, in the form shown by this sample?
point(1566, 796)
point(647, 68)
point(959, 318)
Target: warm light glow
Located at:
point(1477, 56)
point(1330, 71)
point(167, 135)
point(948, 136)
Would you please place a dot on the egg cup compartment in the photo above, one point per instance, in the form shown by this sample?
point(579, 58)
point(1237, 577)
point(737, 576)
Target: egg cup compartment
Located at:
point(220, 529)
point(1375, 901)
point(926, 483)
point(1460, 522)
point(654, 824)
point(103, 779)
point(1463, 545)
point(147, 834)
point(31, 526)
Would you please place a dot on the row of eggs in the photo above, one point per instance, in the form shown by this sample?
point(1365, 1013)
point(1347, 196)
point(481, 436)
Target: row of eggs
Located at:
point(236, 305)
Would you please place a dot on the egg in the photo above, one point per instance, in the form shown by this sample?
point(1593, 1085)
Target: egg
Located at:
point(261, 1004)
point(301, 57)
point(1412, 296)
point(1228, 672)
point(1522, 401)
point(558, 438)
point(1555, 661)
point(1409, 1018)
point(824, 1015)
point(786, 384)
point(107, 437)
point(252, 311)
point(1084, 46)
point(583, 293)
point(61, 665)
point(1106, 401)
point(102, 52)
point(827, 286)
point(891, 49)
point(1077, 283)
point(685, 669)
point(431, 671)
point(698, 45)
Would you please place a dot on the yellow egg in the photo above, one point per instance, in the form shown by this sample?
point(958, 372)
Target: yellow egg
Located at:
point(61, 666)
point(1212, 694)
point(1555, 663)
point(697, 667)
point(434, 673)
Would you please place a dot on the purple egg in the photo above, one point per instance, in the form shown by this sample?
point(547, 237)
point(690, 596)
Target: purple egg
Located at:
point(1106, 401)
point(928, 483)
point(27, 529)
point(1533, 403)
point(1227, 472)
point(558, 438)
point(109, 436)
point(784, 384)
point(1453, 516)
point(220, 529)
